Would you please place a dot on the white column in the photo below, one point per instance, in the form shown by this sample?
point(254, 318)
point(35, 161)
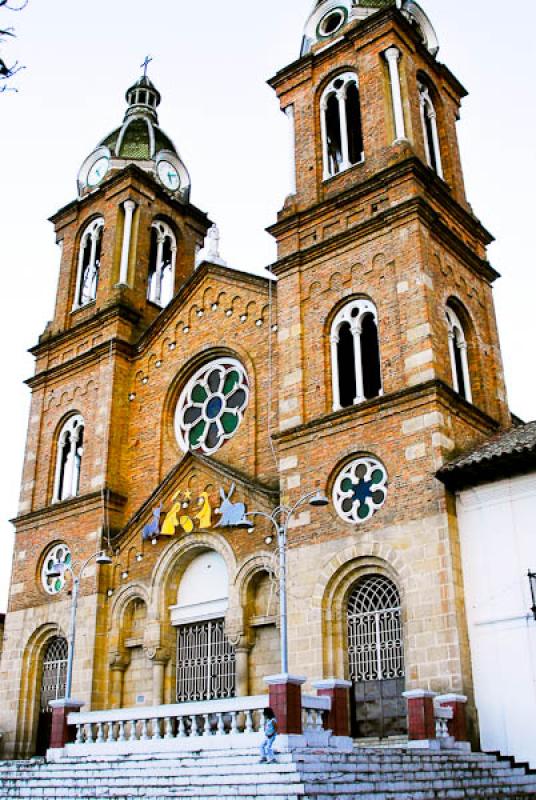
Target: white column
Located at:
point(392, 56)
point(452, 351)
point(129, 206)
point(76, 303)
point(335, 372)
point(341, 97)
point(435, 137)
point(465, 370)
point(157, 294)
point(289, 112)
point(358, 360)
point(324, 130)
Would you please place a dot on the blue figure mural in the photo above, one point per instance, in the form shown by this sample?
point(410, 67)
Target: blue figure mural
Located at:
point(232, 514)
point(153, 528)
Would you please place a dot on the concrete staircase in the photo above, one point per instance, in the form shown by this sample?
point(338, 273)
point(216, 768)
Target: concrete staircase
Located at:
point(311, 774)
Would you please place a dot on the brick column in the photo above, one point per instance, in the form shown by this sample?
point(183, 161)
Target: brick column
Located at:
point(337, 720)
point(61, 732)
point(458, 724)
point(286, 702)
point(421, 717)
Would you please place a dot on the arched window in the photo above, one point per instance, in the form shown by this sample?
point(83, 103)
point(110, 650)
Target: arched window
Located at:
point(461, 379)
point(161, 278)
point(429, 127)
point(355, 354)
point(340, 119)
point(69, 459)
point(89, 263)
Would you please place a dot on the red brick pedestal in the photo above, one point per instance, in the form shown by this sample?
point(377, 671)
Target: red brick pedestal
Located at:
point(338, 719)
point(286, 702)
point(421, 717)
point(62, 733)
point(458, 724)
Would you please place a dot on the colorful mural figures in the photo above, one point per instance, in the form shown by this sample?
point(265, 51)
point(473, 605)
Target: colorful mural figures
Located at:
point(187, 514)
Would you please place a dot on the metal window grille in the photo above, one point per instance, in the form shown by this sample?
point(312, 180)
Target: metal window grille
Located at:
point(376, 649)
point(54, 672)
point(205, 662)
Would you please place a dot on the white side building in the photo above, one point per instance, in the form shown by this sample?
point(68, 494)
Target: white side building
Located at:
point(495, 488)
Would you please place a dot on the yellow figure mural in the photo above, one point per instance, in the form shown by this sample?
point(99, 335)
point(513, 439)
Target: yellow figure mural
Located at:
point(175, 519)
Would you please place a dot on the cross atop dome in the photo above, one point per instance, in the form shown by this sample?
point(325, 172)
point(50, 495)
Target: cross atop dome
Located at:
point(145, 65)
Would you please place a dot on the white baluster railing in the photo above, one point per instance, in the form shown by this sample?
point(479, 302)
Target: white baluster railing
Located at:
point(442, 717)
point(182, 726)
point(313, 709)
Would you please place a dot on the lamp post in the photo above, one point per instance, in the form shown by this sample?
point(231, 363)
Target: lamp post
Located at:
point(532, 581)
point(59, 569)
point(280, 519)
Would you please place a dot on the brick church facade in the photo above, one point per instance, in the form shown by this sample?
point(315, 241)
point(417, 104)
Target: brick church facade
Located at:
point(174, 396)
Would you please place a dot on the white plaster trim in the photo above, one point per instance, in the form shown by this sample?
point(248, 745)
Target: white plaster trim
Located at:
point(199, 612)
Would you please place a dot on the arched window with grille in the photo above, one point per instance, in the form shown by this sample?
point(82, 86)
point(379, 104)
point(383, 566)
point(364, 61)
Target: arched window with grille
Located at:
point(430, 131)
point(89, 263)
point(52, 687)
point(341, 124)
point(355, 354)
point(461, 378)
point(162, 258)
point(70, 450)
point(376, 658)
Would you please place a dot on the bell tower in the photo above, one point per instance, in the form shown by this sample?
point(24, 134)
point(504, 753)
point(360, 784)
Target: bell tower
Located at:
point(129, 240)
point(389, 359)
point(379, 210)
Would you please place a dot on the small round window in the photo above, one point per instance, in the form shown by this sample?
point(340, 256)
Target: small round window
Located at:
point(211, 406)
point(360, 490)
point(52, 584)
point(331, 22)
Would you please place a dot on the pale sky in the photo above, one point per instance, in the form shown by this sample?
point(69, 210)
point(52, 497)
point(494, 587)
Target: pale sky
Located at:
point(211, 61)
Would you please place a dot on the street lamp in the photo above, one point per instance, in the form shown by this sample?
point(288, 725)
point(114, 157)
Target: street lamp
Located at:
point(58, 570)
point(532, 581)
point(280, 519)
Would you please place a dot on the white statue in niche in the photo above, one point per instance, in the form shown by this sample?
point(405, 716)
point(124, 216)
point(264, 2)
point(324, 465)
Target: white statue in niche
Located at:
point(211, 249)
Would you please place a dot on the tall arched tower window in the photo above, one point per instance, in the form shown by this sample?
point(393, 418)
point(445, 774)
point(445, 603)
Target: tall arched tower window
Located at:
point(340, 119)
point(161, 278)
point(89, 263)
point(70, 450)
point(461, 379)
point(355, 354)
point(430, 133)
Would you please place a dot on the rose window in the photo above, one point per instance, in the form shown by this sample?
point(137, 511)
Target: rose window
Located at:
point(212, 405)
point(360, 490)
point(60, 553)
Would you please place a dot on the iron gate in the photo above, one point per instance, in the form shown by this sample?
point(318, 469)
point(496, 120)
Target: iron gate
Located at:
point(376, 655)
point(53, 678)
point(205, 662)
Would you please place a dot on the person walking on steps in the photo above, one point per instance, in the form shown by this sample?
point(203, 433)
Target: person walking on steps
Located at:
point(270, 732)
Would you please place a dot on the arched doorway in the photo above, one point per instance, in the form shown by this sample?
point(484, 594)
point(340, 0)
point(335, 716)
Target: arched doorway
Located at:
point(376, 658)
point(206, 668)
point(52, 687)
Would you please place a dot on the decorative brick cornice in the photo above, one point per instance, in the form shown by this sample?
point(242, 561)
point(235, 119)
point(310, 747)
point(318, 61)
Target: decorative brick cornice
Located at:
point(373, 409)
point(83, 504)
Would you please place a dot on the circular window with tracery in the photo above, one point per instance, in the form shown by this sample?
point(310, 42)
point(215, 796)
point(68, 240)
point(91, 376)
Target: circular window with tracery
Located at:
point(211, 406)
point(360, 490)
point(60, 553)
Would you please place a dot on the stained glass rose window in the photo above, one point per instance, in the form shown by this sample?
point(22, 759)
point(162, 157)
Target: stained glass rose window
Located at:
point(212, 405)
point(360, 490)
point(59, 553)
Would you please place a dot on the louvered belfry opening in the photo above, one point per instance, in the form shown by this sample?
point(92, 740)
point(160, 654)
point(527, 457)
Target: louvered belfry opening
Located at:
point(376, 658)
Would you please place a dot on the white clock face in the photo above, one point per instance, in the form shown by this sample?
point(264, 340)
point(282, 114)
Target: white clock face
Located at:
point(98, 171)
point(169, 176)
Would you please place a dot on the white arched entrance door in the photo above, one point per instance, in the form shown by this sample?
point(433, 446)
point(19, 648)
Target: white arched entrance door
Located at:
point(205, 657)
point(376, 659)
